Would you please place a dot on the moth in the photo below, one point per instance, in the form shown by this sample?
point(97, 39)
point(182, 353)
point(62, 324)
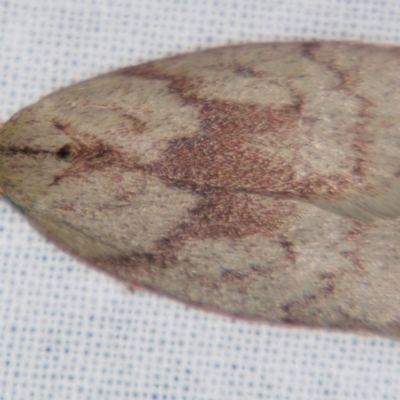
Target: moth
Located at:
point(259, 180)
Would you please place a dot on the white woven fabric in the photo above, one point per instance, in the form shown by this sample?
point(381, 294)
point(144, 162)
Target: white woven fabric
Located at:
point(69, 332)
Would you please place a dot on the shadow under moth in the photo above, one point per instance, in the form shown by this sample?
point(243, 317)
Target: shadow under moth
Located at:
point(257, 180)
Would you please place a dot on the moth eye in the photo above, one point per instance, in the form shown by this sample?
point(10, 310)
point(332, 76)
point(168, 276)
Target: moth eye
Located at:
point(64, 152)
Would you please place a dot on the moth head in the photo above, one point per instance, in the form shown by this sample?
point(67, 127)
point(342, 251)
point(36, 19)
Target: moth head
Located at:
point(36, 150)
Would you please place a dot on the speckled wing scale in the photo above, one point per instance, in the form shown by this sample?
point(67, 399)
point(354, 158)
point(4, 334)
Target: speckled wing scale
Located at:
point(259, 180)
